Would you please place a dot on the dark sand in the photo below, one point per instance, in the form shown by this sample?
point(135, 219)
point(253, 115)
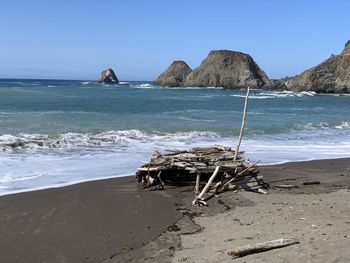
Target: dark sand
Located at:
point(87, 222)
point(111, 221)
point(333, 174)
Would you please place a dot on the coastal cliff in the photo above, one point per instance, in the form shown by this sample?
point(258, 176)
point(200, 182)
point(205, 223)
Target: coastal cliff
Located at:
point(108, 76)
point(221, 68)
point(331, 76)
point(175, 74)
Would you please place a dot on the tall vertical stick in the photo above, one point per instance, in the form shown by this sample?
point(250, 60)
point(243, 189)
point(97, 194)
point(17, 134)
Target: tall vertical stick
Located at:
point(242, 128)
point(197, 183)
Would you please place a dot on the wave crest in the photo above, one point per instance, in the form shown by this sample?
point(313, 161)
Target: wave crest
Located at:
point(277, 94)
point(324, 125)
point(9, 143)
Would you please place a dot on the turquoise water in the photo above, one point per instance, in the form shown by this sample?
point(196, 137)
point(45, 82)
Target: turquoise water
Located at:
point(53, 107)
point(54, 133)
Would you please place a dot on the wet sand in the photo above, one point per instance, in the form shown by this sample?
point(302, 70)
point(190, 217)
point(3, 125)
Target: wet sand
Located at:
point(87, 222)
point(111, 221)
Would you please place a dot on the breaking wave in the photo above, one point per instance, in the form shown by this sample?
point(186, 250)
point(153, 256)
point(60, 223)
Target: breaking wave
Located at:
point(70, 140)
point(32, 142)
point(150, 86)
point(324, 125)
point(277, 94)
point(124, 83)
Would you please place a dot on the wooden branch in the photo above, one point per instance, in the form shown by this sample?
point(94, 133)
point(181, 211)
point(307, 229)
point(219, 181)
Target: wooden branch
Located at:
point(244, 185)
point(198, 199)
point(149, 180)
point(261, 247)
point(198, 179)
point(160, 180)
point(286, 186)
point(229, 186)
point(242, 126)
point(211, 179)
point(216, 187)
point(234, 178)
point(311, 182)
point(261, 191)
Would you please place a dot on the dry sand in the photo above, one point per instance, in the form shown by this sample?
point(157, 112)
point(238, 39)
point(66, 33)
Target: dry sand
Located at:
point(317, 215)
point(110, 221)
point(321, 222)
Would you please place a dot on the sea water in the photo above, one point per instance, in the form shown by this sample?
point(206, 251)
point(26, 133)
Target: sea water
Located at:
point(55, 133)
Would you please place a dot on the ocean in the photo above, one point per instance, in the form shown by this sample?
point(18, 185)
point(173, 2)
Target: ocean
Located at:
point(60, 132)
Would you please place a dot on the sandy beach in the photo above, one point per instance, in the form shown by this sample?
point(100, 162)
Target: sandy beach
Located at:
point(111, 221)
point(174, 131)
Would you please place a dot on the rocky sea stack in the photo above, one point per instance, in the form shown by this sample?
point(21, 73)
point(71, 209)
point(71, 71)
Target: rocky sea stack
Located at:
point(222, 68)
point(228, 69)
point(331, 76)
point(175, 74)
point(108, 76)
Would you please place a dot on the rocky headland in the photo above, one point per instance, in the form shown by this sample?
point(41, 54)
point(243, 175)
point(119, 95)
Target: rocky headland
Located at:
point(108, 76)
point(331, 76)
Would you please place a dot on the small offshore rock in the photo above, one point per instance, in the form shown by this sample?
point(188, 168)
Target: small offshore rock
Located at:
point(108, 76)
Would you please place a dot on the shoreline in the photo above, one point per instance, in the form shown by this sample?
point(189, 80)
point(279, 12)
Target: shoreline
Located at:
point(130, 175)
point(109, 220)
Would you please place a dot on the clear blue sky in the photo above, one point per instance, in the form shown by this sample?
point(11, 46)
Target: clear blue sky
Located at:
point(76, 39)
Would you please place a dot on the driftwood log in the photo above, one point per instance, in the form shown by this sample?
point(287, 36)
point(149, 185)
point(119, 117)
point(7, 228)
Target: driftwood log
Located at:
point(286, 186)
point(260, 247)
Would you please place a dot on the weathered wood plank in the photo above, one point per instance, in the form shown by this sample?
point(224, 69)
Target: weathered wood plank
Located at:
point(261, 247)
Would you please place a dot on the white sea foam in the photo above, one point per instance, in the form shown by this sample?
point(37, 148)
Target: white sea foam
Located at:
point(146, 85)
point(323, 125)
point(32, 142)
point(258, 97)
point(195, 88)
point(343, 125)
point(195, 120)
point(24, 171)
point(275, 94)
point(150, 86)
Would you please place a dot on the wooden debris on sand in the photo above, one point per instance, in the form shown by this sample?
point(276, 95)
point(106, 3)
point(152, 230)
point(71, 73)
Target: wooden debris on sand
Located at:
point(214, 164)
point(311, 182)
point(261, 247)
point(286, 186)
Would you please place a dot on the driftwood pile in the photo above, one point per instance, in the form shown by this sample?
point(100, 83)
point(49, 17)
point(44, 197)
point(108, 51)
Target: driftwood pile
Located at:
point(218, 165)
